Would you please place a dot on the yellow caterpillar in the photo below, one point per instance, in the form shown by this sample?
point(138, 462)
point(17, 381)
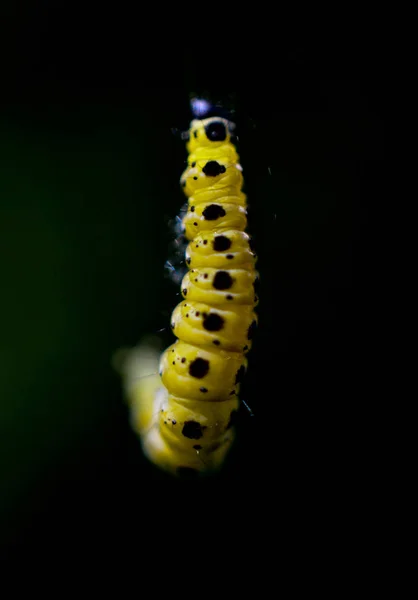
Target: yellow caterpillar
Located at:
point(184, 415)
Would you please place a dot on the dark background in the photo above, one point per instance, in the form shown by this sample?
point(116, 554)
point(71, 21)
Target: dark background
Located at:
point(89, 180)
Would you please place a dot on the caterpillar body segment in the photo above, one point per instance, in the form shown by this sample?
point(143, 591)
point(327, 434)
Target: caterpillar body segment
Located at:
point(214, 326)
point(173, 429)
point(185, 414)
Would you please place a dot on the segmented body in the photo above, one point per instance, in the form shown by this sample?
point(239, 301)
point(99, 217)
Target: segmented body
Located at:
point(185, 419)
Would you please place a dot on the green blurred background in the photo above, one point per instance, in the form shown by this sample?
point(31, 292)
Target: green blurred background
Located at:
point(89, 169)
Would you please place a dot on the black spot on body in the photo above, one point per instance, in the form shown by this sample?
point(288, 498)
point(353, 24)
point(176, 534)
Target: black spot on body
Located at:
point(229, 256)
point(203, 390)
point(183, 360)
point(232, 419)
point(197, 447)
point(193, 164)
point(222, 280)
point(192, 430)
point(229, 297)
point(174, 421)
point(195, 133)
point(251, 330)
point(213, 322)
point(188, 260)
point(192, 208)
point(239, 377)
point(213, 212)
point(195, 178)
point(205, 242)
point(199, 368)
point(212, 168)
point(216, 131)
point(221, 243)
point(185, 291)
point(216, 342)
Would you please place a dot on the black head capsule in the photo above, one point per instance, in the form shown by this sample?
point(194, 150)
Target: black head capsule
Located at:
point(216, 131)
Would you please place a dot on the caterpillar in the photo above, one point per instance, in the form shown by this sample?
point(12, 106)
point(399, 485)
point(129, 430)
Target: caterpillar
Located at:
point(184, 402)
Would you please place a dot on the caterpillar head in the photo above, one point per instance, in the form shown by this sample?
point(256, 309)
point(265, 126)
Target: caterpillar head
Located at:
point(209, 133)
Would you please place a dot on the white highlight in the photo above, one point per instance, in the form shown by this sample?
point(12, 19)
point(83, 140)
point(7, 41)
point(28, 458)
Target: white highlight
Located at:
point(199, 106)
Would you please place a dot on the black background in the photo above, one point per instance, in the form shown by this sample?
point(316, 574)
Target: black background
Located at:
point(311, 144)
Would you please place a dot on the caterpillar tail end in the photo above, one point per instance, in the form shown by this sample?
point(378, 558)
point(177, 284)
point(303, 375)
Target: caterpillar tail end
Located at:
point(142, 384)
point(146, 397)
